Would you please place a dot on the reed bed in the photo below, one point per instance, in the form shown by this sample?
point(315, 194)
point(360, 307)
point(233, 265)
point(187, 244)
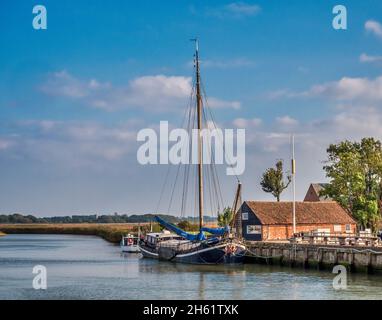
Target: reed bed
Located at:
point(111, 232)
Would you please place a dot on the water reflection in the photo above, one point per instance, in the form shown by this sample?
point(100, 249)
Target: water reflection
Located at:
point(201, 286)
point(90, 268)
point(153, 266)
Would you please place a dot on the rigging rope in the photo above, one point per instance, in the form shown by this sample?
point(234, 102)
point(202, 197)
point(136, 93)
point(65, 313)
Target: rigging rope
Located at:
point(187, 111)
point(187, 167)
point(214, 123)
point(213, 187)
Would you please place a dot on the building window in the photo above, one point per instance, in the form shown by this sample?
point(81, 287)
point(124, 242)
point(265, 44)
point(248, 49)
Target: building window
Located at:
point(253, 229)
point(244, 216)
point(348, 228)
point(337, 228)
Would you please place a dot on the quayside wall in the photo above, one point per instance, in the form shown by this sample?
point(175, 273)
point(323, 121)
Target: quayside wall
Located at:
point(354, 258)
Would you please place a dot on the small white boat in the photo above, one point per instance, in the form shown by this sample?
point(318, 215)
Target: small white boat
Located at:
point(129, 243)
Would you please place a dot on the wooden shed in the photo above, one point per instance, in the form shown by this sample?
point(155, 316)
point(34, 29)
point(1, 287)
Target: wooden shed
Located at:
point(274, 220)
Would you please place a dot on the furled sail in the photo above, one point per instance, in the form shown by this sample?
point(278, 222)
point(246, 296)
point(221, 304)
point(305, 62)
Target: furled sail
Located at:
point(216, 231)
point(191, 237)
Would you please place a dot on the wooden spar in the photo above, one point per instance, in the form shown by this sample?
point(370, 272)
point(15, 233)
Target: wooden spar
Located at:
point(236, 219)
point(200, 147)
point(237, 198)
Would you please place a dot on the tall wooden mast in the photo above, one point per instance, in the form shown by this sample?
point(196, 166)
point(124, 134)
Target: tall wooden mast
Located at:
point(199, 104)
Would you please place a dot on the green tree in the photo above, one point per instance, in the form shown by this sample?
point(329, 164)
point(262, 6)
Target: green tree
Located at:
point(273, 180)
point(355, 172)
point(225, 218)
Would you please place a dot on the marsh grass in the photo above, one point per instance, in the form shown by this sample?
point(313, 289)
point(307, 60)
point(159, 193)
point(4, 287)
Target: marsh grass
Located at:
point(111, 232)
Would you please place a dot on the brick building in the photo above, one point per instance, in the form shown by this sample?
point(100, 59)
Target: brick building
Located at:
point(313, 193)
point(274, 220)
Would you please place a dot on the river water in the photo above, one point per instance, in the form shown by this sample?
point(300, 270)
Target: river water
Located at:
point(84, 267)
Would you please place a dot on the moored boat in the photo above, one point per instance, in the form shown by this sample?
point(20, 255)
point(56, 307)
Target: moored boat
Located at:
point(129, 243)
point(176, 247)
point(151, 242)
point(223, 245)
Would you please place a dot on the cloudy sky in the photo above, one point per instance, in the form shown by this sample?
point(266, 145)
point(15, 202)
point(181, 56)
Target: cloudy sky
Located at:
point(74, 96)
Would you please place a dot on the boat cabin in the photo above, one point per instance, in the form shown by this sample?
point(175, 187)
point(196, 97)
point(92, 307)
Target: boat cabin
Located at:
point(151, 239)
point(129, 243)
point(129, 240)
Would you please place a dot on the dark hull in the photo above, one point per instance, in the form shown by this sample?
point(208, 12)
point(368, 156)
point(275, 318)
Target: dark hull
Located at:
point(212, 256)
point(205, 255)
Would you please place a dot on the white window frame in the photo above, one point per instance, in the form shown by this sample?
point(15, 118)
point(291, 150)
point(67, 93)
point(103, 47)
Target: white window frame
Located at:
point(337, 228)
point(257, 229)
point(244, 216)
point(348, 228)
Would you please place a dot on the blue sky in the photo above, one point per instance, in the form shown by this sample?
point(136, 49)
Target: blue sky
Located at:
point(72, 97)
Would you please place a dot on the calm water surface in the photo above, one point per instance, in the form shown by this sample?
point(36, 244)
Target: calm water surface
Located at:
point(83, 267)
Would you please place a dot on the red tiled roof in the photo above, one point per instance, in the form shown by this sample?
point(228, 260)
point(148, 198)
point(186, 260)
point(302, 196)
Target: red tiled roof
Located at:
point(329, 212)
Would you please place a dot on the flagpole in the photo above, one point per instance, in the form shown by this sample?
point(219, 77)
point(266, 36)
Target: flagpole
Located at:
point(294, 186)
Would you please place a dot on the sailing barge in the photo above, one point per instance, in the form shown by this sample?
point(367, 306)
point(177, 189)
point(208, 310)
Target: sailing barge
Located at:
point(194, 249)
point(224, 244)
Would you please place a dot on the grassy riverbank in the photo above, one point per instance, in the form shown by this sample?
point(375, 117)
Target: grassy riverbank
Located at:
point(2, 234)
point(111, 232)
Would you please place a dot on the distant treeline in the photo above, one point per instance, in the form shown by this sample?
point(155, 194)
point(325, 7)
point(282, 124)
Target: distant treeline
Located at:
point(116, 218)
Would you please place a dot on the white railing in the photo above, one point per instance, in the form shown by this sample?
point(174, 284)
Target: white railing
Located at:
point(343, 239)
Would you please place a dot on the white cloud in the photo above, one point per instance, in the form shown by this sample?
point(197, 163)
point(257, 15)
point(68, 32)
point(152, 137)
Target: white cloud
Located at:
point(356, 123)
point(270, 143)
point(70, 144)
point(5, 144)
point(280, 93)
point(79, 150)
point(218, 103)
point(351, 89)
point(286, 121)
point(345, 89)
point(154, 93)
point(374, 27)
point(235, 10)
point(365, 58)
point(246, 123)
point(243, 9)
point(155, 86)
point(64, 84)
point(303, 69)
